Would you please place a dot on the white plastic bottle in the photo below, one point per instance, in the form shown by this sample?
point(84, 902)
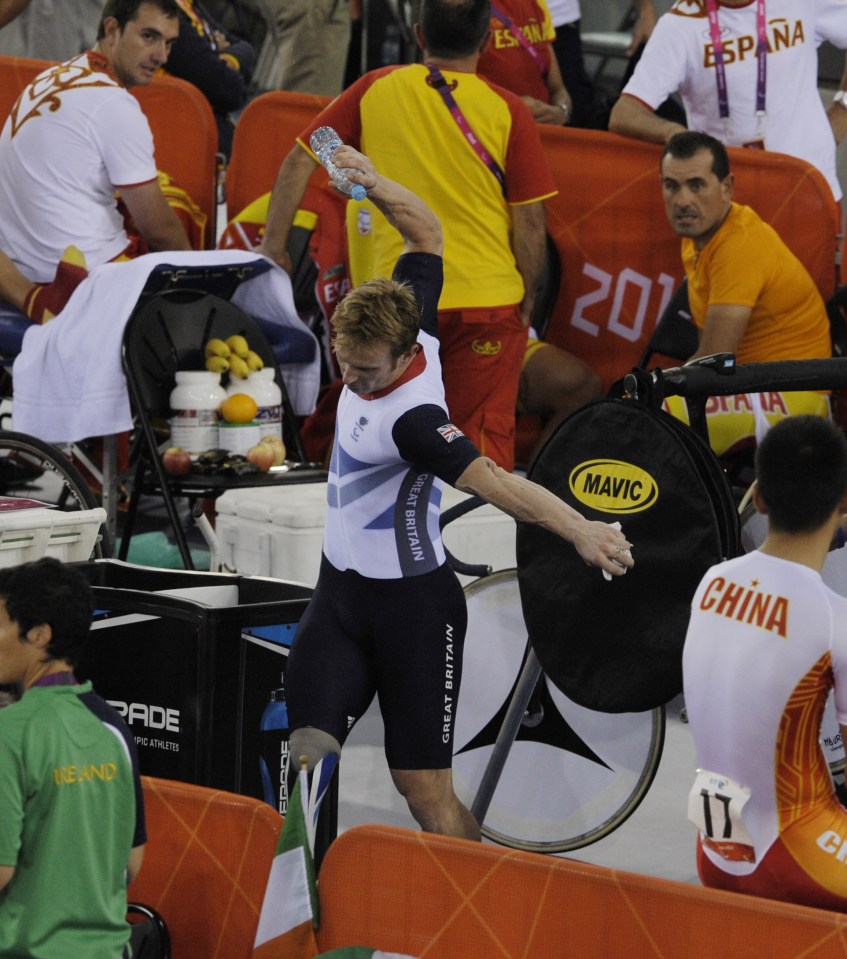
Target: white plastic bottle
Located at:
point(194, 407)
point(260, 384)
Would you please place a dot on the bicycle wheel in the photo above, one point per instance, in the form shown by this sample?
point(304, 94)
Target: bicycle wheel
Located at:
point(573, 775)
point(31, 468)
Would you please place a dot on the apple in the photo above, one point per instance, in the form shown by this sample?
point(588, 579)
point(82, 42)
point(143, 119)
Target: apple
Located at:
point(176, 460)
point(276, 444)
point(262, 454)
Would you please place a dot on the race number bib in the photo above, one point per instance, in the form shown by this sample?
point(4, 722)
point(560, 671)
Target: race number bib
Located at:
point(715, 806)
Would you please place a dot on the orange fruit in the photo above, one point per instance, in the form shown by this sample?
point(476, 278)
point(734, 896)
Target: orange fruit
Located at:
point(239, 408)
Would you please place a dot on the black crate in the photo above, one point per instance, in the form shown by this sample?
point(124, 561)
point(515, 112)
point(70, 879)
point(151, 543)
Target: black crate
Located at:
point(191, 678)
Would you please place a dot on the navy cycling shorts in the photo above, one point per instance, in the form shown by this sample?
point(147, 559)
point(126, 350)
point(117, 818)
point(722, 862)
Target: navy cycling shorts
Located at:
point(399, 639)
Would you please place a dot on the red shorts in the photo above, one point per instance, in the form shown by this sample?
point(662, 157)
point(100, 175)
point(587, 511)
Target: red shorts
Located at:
point(806, 865)
point(482, 350)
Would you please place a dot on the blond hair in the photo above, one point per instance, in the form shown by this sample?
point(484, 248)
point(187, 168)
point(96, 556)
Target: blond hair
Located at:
point(380, 310)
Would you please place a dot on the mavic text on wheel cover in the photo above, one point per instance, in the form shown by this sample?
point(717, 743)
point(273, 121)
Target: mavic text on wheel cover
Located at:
point(617, 646)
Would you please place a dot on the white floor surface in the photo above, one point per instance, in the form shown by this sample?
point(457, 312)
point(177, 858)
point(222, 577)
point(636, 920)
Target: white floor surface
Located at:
point(656, 840)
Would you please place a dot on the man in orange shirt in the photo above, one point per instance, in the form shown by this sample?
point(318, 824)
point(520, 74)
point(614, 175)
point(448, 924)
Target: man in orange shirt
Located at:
point(749, 295)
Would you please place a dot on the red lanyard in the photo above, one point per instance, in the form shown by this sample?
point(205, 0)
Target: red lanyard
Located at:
point(518, 34)
point(761, 59)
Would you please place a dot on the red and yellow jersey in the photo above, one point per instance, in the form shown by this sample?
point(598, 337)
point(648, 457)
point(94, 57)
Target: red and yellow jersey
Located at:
point(506, 62)
point(396, 117)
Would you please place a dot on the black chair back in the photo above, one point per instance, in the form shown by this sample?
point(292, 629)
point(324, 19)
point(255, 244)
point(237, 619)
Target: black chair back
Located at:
point(836, 309)
point(166, 333)
point(675, 335)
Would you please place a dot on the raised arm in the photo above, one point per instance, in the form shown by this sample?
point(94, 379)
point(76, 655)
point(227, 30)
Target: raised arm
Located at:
point(599, 544)
point(291, 182)
point(404, 210)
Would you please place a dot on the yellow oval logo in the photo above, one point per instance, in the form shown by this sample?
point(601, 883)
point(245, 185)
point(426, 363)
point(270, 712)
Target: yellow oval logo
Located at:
point(613, 486)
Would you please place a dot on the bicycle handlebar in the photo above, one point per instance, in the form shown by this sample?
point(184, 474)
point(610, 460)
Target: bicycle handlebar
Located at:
point(786, 375)
point(454, 512)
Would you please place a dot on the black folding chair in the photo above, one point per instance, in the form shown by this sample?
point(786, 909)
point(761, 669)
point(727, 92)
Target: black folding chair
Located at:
point(675, 335)
point(548, 289)
point(166, 333)
point(836, 309)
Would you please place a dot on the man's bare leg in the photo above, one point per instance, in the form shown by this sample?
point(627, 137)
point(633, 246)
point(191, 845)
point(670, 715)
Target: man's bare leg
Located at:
point(553, 385)
point(432, 801)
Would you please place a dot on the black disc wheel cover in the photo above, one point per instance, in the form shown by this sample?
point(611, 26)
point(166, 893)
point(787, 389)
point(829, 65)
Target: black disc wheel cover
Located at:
point(617, 646)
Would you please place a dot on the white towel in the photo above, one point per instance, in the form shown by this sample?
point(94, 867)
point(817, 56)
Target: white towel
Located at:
point(68, 379)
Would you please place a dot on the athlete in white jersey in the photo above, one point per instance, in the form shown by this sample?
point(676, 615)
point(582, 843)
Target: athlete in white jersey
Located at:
point(766, 643)
point(373, 478)
point(74, 139)
point(680, 57)
point(388, 614)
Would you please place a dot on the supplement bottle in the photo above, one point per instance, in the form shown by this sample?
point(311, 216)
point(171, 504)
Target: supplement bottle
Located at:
point(194, 410)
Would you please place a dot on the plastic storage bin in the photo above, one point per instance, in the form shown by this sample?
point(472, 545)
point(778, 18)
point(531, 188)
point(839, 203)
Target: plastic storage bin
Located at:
point(279, 532)
point(29, 534)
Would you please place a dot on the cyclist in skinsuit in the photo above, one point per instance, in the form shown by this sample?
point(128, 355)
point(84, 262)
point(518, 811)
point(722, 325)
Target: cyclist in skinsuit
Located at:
point(766, 643)
point(388, 615)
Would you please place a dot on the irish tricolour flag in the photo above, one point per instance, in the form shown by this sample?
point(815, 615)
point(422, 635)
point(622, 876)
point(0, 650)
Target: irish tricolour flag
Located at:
point(289, 913)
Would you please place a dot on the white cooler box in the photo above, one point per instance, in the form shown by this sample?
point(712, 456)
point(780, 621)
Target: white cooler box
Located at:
point(279, 532)
point(29, 534)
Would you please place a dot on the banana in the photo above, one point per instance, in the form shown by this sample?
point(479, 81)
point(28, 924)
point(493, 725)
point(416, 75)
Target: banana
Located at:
point(238, 345)
point(254, 361)
point(238, 368)
point(217, 364)
point(216, 347)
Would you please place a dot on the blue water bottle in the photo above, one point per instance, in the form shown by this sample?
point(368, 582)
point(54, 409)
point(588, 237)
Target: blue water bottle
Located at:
point(324, 142)
point(273, 752)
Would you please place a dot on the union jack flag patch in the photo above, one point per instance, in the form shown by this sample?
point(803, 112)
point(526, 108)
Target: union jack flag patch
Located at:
point(450, 432)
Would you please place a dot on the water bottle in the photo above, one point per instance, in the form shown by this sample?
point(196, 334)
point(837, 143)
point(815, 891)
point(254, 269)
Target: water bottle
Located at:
point(273, 752)
point(324, 142)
